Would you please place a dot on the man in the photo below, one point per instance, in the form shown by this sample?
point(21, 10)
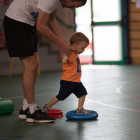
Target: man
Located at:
point(21, 38)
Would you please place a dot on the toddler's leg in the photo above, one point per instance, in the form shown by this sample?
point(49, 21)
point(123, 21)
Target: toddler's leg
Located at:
point(47, 107)
point(81, 102)
point(80, 109)
point(53, 101)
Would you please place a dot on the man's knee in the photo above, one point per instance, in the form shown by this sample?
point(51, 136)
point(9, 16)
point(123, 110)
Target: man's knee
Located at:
point(30, 63)
point(33, 66)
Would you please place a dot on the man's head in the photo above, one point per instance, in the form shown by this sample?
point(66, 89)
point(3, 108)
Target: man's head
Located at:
point(79, 42)
point(72, 3)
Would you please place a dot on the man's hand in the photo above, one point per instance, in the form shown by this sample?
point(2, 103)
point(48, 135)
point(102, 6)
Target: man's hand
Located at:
point(66, 49)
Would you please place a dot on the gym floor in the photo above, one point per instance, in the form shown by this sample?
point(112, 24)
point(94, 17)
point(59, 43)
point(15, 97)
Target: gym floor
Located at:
point(113, 91)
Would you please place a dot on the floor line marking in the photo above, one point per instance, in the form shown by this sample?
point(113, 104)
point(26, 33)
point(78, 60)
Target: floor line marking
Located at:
point(89, 86)
point(97, 102)
point(35, 95)
point(112, 105)
point(118, 90)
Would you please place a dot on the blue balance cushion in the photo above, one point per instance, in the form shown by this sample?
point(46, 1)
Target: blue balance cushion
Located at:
point(72, 115)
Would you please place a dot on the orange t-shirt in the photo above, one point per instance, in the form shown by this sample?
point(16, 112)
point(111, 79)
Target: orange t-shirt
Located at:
point(72, 69)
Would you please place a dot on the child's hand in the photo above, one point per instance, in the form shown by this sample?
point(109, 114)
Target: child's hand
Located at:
point(65, 59)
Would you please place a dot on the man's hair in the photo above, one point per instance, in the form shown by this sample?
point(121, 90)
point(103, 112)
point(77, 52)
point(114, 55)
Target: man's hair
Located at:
point(78, 37)
point(84, 1)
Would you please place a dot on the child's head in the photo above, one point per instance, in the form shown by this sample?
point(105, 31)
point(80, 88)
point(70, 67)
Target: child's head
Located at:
point(79, 41)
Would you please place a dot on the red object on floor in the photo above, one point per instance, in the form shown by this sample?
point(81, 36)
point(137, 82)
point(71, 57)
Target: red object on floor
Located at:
point(55, 113)
point(1, 41)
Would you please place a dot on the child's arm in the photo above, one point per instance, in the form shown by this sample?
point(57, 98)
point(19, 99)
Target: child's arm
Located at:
point(65, 59)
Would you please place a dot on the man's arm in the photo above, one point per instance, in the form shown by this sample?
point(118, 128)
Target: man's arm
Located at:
point(42, 21)
point(55, 28)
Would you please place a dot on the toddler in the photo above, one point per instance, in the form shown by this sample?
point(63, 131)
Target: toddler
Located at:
point(70, 81)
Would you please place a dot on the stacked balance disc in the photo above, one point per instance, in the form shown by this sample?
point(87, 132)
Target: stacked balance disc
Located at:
point(55, 113)
point(6, 106)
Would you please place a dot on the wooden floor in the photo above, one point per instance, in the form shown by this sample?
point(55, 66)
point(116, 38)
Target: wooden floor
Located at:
point(113, 91)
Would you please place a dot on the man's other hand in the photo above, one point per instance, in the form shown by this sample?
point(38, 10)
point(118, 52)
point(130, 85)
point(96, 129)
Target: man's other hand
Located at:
point(66, 49)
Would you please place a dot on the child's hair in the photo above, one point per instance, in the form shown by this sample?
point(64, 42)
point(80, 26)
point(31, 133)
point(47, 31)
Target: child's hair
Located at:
point(78, 37)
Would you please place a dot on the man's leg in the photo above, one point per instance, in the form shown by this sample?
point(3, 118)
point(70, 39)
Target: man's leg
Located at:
point(29, 77)
point(30, 66)
point(35, 114)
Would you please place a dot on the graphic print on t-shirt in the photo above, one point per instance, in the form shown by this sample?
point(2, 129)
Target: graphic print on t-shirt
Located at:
point(35, 15)
point(78, 65)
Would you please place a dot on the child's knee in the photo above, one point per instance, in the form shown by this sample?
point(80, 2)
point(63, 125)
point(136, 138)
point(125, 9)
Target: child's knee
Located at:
point(61, 98)
point(82, 96)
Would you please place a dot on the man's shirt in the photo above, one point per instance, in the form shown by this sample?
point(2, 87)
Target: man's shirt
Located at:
point(27, 10)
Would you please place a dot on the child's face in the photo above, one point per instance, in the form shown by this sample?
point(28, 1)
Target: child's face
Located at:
point(80, 46)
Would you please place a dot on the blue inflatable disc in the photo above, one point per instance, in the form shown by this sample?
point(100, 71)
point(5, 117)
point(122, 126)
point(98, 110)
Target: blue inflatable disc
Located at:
point(72, 115)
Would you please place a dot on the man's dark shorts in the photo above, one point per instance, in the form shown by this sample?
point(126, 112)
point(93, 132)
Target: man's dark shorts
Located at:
point(21, 38)
point(67, 87)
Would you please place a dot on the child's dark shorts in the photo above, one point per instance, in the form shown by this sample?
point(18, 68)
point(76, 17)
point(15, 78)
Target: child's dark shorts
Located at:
point(67, 87)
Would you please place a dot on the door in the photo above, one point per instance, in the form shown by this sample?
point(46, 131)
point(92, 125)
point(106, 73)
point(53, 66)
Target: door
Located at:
point(102, 22)
point(83, 24)
point(107, 31)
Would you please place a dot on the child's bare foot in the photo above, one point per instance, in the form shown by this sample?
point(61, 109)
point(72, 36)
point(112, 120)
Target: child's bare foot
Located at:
point(83, 111)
